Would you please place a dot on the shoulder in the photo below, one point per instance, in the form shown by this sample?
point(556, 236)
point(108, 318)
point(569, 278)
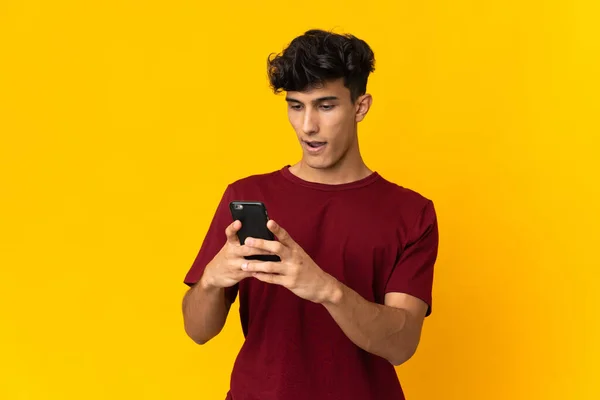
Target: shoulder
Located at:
point(414, 213)
point(254, 181)
point(407, 208)
point(409, 199)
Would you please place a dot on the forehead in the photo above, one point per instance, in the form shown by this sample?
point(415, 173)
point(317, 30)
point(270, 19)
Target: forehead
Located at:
point(329, 88)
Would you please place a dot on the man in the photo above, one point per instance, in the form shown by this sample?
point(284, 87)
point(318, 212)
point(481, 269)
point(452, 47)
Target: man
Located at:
point(348, 299)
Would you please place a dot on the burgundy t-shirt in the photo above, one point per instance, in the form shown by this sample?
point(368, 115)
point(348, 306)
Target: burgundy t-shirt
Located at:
point(372, 235)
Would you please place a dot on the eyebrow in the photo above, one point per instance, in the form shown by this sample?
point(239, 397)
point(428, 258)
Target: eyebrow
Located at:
point(315, 101)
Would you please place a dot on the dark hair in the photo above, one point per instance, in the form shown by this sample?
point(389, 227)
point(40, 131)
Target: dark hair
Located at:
point(318, 56)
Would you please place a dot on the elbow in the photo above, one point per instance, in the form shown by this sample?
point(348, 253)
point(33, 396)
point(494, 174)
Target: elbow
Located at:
point(198, 339)
point(196, 335)
point(402, 355)
point(397, 361)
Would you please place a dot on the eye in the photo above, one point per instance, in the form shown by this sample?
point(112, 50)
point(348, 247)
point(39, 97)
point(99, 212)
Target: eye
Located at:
point(296, 107)
point(327, 107)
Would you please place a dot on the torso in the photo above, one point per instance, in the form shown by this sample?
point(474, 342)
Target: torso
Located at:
point(293, 348)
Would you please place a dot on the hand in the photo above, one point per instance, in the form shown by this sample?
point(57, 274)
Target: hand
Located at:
point(296, 271)
point(224, 269)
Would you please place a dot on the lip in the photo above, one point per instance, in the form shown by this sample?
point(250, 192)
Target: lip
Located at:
point(312, 150)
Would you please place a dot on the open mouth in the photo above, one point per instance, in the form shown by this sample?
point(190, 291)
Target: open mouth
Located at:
point(315, 145)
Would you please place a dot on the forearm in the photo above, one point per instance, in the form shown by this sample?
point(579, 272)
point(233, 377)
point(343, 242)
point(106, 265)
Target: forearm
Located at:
point(378, 329)
point(205, 310)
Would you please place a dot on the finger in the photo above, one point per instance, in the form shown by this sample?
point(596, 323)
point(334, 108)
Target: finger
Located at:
point(231, 232)
point(271, 246)
point(243, 251)
point(268, 278)
point(281, 233)
point(243, 275)
point(265, 267)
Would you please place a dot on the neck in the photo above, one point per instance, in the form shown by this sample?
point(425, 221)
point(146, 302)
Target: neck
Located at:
point(349, 169)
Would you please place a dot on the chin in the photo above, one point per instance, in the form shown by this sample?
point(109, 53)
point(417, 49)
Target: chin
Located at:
point(319, 164)
point(326, 160)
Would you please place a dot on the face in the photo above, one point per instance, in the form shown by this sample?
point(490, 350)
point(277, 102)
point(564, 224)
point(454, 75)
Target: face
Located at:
point(325, 122)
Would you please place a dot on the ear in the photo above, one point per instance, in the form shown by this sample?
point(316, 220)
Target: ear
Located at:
point(363, 104)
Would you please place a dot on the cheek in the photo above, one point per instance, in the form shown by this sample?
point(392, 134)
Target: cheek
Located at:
point(295, 121)
point(332, 124)
point(341, 128)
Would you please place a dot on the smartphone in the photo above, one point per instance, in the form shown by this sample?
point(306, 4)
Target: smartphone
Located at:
point(253, 216)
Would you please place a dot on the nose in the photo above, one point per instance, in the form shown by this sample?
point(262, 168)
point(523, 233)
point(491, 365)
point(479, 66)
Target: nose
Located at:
point(310, 124)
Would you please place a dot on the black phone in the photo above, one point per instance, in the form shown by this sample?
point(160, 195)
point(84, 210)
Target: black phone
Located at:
point(253, 216)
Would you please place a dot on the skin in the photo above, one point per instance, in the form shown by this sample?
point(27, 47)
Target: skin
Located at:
point(327, 114)
point(391, 330)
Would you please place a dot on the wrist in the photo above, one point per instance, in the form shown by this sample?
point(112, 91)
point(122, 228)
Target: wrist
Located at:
point(333, 292)
point(206, 282)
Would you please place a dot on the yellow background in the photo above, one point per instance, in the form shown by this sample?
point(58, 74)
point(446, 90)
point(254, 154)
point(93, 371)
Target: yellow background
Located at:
point(121, 122)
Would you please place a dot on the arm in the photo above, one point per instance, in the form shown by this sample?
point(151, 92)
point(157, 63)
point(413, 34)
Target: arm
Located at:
point(205, 310)
point(391, 331)
point(213, 277)
point(207, 303)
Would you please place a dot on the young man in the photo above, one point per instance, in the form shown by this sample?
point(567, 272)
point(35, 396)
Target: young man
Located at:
point(348, 299)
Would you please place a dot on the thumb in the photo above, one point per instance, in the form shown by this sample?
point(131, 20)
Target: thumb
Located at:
point(231, 232)
point(281, 233)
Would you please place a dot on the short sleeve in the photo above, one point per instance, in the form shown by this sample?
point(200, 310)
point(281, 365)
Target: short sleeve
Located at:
point(413, 272)
point(213, 242)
